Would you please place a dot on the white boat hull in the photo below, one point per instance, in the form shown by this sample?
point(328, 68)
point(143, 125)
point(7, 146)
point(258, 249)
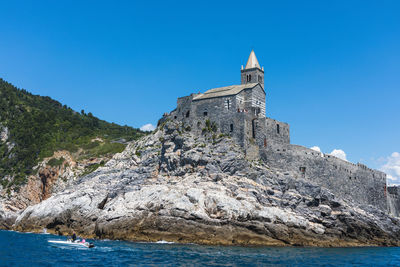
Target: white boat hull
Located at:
point(85, 244)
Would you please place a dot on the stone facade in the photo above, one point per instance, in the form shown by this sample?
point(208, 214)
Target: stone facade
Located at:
point(240, 111)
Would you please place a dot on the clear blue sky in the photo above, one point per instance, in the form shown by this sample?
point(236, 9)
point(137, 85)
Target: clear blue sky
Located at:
point(332, 68)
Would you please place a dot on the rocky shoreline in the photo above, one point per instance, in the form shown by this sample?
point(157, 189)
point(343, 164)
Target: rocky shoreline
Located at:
point(178, 186)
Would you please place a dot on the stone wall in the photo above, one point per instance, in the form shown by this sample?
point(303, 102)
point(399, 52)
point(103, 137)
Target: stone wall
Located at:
point(353, 182)
point(268, 129)
point(232, 114)
point(255, 74)
point(393, 200)
point(257, 99)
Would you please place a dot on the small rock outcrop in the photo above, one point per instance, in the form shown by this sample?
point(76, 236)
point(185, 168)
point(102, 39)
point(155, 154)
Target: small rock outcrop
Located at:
point(179, 186)
point(3, 133)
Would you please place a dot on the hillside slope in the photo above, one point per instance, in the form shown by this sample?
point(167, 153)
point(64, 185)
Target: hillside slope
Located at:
point(42, 140)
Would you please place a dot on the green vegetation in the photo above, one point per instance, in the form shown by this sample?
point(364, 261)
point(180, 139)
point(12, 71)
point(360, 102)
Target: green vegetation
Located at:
point(93, 167)
point(56, 162)
point(40, 125)
point(210, 127)
point(97, 149)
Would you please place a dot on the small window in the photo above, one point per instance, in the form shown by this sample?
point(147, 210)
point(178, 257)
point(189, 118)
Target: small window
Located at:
point(205, 113)
point(188, 114)
point(277, 128)
point(227, 104)
point(250, 78)
point(231, 128)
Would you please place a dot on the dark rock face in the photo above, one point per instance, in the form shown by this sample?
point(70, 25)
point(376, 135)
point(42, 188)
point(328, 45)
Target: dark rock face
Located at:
point(178, 186)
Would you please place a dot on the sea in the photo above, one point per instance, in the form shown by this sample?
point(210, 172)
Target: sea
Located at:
point(28, 249)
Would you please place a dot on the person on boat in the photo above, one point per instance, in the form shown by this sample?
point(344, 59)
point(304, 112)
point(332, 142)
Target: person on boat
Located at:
point(73, 237)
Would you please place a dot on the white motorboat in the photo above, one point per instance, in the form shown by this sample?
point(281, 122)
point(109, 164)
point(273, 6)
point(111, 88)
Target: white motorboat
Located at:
point(73, 243)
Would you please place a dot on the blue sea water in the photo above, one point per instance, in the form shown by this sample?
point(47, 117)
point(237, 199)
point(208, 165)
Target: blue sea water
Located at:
point(27, 249)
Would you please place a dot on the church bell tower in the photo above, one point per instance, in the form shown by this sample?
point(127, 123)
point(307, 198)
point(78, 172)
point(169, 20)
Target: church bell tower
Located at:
point(252, 73)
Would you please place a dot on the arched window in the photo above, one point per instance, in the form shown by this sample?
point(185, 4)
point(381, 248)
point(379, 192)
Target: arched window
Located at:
point(277, 128)
point(187, 114)
point(231, 128)
point(250, 78)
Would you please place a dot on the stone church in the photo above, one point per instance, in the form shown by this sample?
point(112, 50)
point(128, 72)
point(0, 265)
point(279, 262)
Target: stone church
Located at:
point(240, 112)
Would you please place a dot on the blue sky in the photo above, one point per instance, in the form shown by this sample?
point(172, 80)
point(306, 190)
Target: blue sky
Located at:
point(332, 68)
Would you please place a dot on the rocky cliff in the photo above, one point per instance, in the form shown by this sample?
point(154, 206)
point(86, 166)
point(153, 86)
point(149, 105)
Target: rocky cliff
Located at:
point(178, 186)
point(52, 175)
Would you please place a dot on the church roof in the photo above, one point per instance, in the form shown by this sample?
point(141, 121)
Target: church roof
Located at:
point(225, 91)
point(252, 62)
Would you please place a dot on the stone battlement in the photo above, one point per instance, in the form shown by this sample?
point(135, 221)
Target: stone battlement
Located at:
point(350, 181)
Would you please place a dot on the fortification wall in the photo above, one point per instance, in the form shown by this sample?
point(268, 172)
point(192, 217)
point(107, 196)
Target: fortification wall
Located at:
point(267, 129)
point(353, 182)
point(183, 107)
point(393, 200)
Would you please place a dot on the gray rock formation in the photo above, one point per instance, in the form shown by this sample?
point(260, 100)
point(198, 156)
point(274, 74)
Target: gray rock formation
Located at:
point(179, 186)
point(3, 133)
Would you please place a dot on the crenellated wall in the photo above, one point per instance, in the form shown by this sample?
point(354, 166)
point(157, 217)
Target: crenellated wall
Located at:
point(353, 182)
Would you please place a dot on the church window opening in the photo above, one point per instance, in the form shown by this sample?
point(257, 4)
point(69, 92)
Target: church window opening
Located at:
point(187, 114)
point(205, 113)
point(277, 128)
point(231, 127)
point(253, 128)
point(227, 104)
point(250, 78)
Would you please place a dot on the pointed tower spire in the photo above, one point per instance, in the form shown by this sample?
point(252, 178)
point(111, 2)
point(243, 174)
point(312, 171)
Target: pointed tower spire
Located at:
point(252, 62)
point(252, 73)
